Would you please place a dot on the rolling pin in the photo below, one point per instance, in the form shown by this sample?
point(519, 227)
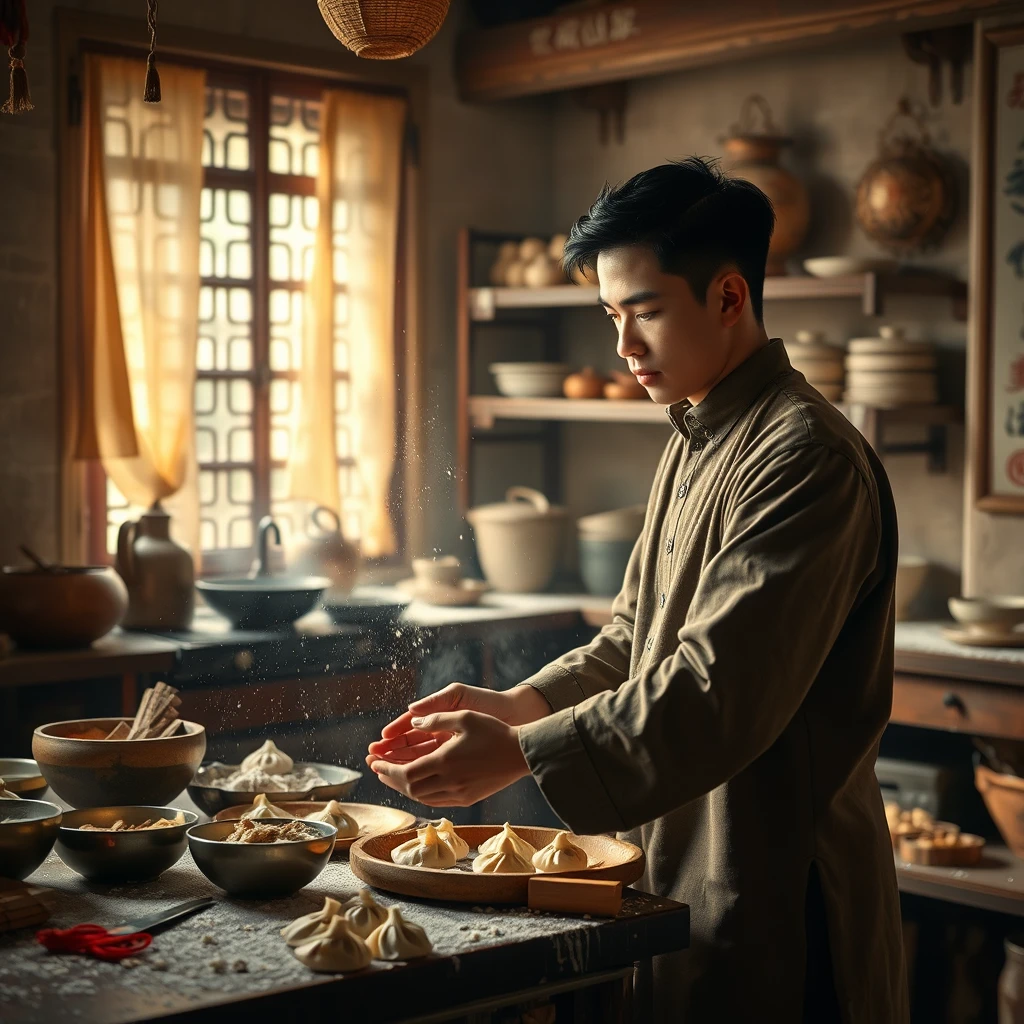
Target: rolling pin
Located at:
point(574, 895)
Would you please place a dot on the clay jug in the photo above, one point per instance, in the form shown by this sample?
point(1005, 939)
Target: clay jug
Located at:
point(754, 155)
point(1011, 983)
point(906, 199)
point(158, 573)
point(321, 550)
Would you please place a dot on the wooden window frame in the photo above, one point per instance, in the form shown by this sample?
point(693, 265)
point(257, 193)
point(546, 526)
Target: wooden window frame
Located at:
point(263, 67)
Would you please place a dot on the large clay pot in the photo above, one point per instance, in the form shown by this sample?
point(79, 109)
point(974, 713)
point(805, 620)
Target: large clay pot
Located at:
point(158, 573)
point(321, 550)
point(68, 607)
point(518, 540)
point(906, 199)
point(754, 155)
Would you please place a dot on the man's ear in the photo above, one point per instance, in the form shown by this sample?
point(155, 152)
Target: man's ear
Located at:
point(733, 296)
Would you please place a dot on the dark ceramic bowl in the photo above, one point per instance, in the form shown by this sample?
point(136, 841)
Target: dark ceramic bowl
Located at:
point(22, 777)
point(69, 607)
point(263, 602)
point(122, 856)
point(88, 771)
point(264, 871)
point(366, 610)
point(208, 797)
point(28, 830)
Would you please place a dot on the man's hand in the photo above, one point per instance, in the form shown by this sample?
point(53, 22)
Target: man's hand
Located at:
point(402, 742)
point(471, 756)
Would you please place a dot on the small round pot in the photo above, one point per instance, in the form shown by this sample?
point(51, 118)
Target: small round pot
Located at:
point(87, 770)
point(259, 871)
point(122, 856)
point(67, 608)
point(28, 830)
point(603, 564)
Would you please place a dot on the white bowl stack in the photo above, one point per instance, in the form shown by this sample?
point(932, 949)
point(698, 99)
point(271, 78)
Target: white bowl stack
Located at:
point(530, 380)
point(820, 363)
point(889, 371)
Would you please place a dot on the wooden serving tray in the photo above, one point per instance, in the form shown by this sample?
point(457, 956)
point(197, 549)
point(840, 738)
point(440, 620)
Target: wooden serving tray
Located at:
point(372, 819)
point(966, 853)
point(370, 860)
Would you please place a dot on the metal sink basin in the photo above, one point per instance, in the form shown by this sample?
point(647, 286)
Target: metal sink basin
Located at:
point(263, 602)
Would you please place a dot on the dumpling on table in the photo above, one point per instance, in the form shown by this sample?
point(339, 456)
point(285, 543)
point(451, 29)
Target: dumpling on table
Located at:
point(561, 854)
point(310, 926)
point(334, 814)
point(336, 951)
point(503, 859)
point(364, 913)
point(398, 939)
point(263, 808)
point(269, 759)
point(425, 851)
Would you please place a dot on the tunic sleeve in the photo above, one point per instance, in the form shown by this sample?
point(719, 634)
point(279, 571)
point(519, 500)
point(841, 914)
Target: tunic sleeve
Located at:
point(799, 547)
point(603, 664)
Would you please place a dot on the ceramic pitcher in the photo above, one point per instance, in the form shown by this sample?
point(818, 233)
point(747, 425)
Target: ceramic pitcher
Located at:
point(158, 573)
point(321, 550)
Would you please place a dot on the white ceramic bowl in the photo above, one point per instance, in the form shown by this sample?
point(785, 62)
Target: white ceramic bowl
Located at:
point(841, 266)
point(530, 380)
point(988, 616)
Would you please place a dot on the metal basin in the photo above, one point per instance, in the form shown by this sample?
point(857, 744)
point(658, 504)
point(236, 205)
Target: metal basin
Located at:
point(263, 602)
point(122, 856)
point(209, 797)
point(28, 829)
point(265, 871)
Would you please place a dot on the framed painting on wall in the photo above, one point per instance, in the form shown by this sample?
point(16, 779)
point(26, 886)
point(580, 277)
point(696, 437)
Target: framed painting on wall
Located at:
point(997, 322)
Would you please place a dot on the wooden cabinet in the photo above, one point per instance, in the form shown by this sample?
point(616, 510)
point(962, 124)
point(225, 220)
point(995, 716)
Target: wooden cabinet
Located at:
point(958, 705)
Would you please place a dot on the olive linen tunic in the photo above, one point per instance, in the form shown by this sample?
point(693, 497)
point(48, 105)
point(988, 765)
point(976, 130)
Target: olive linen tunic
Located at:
point(728, 719)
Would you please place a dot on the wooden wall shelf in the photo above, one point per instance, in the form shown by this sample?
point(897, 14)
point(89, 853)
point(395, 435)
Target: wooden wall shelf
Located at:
point(485, 409)
point(869, 289)
point(620, 41)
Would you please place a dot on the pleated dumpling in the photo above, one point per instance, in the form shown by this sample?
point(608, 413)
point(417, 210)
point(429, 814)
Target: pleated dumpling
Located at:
point(520, 845)
point(268, 759)
point(425, 851)
point(263, 808)
point(448, 835)
point(334, 814)
point(503, 859)
point(310, 926)
point(561, 854)
point(398, 939)
point(364, 913)
point(336, 951)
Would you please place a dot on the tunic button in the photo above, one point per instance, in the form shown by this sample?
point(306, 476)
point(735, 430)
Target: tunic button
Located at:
point(681, 493)
point(662, 601)
point(698, 446)
point(669, 545)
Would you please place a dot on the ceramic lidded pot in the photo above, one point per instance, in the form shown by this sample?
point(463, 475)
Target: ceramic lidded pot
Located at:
point(753, 154)
point(157, 571)
point(518, 540)
point(322, 551)
point(906, 199)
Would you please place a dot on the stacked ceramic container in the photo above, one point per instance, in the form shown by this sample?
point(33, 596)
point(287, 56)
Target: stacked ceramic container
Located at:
point(820, 363)
point(889, 371)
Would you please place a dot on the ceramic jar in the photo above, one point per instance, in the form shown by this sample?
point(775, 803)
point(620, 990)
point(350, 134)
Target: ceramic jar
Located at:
point(754, 154)
point(906, 197)
point(1011, 983)
point(321, 550)
point(606, 541)
point(157, 571)
point(518, 540)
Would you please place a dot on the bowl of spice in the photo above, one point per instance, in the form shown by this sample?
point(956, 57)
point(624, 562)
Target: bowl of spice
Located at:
point(260, 858)
point(124, 843)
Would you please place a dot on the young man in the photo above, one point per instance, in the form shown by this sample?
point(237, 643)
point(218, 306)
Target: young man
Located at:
point(728, 719)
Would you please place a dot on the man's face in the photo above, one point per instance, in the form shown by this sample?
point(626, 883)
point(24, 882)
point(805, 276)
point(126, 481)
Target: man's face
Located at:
point(676, 347)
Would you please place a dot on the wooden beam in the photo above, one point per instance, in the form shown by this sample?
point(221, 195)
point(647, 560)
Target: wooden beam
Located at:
point(648, 37)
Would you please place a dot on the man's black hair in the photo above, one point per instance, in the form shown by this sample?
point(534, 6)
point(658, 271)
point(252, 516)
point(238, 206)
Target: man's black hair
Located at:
point(695, 219)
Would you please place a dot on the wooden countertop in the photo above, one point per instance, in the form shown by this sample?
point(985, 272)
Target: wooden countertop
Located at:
point(997, 883)
point(480, 953)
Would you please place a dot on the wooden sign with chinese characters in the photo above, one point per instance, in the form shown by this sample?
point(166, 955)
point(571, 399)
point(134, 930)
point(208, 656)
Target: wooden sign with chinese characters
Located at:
point(587, 44)
point(998, 337)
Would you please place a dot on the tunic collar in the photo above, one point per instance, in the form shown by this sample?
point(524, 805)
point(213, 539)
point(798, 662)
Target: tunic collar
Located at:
point(714, 417)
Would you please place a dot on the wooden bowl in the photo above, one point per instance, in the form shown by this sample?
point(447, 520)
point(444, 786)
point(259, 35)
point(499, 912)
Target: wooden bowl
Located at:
point(370, 859)
point(1004, 797)
point(88, 771)
point(966, 853)
point(372, 819)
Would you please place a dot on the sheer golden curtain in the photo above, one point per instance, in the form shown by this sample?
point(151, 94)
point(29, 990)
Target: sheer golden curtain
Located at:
point(144, 176)
point(352, 296)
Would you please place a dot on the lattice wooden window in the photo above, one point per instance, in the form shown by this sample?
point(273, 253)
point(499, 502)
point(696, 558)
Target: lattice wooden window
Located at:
point(259, 215)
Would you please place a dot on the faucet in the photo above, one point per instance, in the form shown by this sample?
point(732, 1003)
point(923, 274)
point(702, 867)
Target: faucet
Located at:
point(261, 565)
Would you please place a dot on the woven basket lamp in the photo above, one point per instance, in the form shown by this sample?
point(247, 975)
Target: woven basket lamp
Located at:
point(384, 29)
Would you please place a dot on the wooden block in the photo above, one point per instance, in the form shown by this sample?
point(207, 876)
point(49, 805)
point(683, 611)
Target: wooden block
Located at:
point(575, 895)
